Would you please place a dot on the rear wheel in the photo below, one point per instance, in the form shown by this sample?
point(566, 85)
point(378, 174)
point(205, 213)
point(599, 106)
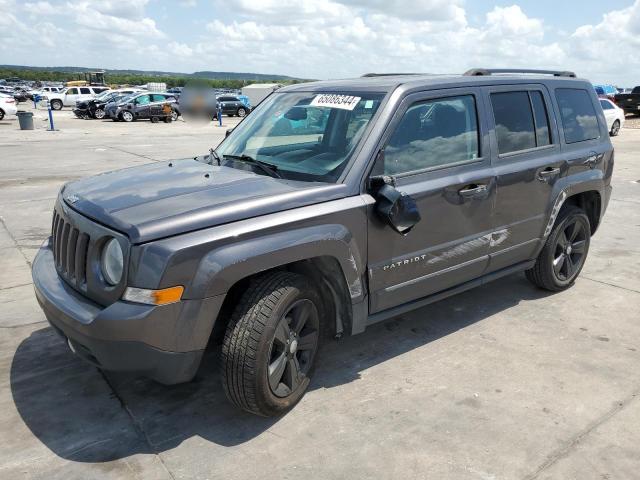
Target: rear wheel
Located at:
point(270, 344)
point(615, 128)
point(174, 115)
point(241, 112)
point(1, 114)
point(56, 105)
point(564, 252)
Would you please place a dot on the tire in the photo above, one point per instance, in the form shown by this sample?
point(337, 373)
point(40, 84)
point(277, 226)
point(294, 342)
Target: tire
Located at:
point(241, 112)
point(99, 113)
point(155, 119)
point(174, 116)
point(552, 271)
point(126, 116)
point(1, 114)
point(56, 105)
point(615, 128)
point(260, 339)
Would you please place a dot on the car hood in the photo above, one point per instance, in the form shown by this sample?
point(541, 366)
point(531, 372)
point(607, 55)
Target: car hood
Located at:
point(168, 198)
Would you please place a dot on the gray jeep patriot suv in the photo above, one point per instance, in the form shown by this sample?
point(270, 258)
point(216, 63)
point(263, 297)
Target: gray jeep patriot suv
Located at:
point(333, 206)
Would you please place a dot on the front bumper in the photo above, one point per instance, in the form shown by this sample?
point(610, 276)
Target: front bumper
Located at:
point(165, 343)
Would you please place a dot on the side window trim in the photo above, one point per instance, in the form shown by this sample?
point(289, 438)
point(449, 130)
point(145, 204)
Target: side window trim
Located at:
point(550, 111)
point(408, 101)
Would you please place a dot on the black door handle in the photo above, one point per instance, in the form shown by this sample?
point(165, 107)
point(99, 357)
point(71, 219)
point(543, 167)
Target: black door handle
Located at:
point(472, 190)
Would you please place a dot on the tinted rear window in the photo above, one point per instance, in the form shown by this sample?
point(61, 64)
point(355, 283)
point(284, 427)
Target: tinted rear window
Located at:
point(579, 120)
point(514, 121)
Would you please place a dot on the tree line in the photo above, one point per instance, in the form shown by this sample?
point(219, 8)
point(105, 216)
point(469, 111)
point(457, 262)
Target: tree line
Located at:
point(133, 79)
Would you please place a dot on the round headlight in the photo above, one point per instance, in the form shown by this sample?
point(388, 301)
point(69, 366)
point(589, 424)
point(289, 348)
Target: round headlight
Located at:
point(112, 262)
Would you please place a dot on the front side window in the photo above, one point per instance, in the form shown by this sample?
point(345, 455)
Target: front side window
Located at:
point(302, 135)
point(433, 133)
point(143, 100)
point(579, 120)
point(72, 91)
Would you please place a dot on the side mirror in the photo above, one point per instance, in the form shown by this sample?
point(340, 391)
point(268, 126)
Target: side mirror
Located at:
point(228, 132)
point(396, 208)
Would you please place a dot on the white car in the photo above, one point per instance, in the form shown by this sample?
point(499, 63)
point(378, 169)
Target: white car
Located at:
point(614, 115)
point(7, 105)
point(71, 95)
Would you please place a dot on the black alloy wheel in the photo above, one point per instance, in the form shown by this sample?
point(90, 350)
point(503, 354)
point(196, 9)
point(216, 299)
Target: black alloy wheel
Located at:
point(570, 251)
point(565, 251)
point(293, 348)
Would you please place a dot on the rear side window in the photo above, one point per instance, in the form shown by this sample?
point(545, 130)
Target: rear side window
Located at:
point(434, 133)
point(606, 105)
point(521, 120)
point(541, 118)
point(579, 120)
point(85, 91)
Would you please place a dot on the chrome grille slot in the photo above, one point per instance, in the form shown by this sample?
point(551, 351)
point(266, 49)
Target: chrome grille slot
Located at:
point(70, 251)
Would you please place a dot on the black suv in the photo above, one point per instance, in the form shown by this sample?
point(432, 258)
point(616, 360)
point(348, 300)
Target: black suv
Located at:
point(232, 106)
point(335, 205)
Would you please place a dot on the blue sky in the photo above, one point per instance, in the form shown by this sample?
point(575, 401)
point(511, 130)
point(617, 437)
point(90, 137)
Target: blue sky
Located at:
point(326, 38)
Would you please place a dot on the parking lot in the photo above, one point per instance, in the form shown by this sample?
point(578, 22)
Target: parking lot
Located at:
point(501, 382)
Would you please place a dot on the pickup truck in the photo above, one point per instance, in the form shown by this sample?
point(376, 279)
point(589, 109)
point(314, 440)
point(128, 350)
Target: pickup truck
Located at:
point(629, 102)
point(70, 96)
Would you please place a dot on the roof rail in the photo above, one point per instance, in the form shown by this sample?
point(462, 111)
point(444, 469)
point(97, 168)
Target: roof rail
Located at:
point(367, 75)
point(490, 71)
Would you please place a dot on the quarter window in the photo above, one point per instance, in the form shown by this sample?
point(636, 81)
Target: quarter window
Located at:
point(579, 120)
point(434, 133)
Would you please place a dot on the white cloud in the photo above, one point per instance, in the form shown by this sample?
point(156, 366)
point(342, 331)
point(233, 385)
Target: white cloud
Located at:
point(180, 49)
point(315, 38)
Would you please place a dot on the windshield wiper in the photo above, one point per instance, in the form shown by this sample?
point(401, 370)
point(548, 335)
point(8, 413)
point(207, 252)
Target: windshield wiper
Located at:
point(268, 168)
point(213, 155)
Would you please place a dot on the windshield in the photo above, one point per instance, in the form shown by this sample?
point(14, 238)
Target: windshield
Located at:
point(104, 95)
point(304, 136)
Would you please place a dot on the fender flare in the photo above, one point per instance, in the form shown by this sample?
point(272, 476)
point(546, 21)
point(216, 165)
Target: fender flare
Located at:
point(592, 182)
point(221, 268)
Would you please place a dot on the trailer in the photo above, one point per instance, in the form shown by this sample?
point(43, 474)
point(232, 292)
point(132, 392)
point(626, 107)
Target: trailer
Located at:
point(259, 91)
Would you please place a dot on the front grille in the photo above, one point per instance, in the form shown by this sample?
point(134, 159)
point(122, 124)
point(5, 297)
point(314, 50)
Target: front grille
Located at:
point(70, 248)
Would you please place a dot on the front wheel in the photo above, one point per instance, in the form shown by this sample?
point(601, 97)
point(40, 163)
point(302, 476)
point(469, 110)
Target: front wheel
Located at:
point(127, 116)
point(99, 113)
point(1, 114)
point(564, 252)
point(241, 112)
point(270, 343)
point(615, 128)
point(174, 115)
